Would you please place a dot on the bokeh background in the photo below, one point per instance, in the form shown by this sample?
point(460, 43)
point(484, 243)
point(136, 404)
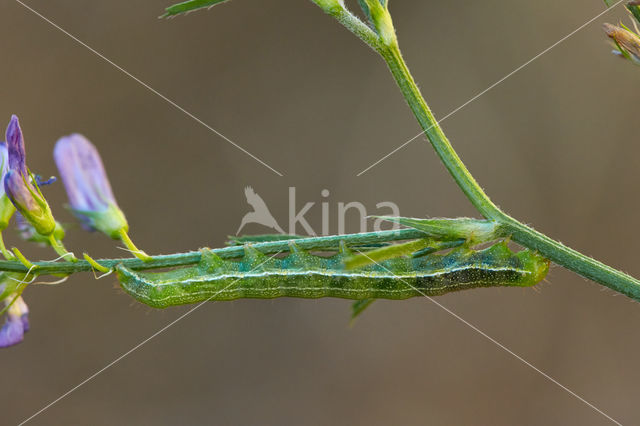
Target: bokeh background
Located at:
point(555, 145)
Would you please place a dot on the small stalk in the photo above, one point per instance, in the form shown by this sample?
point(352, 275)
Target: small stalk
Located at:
point(124, 237)
point(61, 250)
point(6, 253)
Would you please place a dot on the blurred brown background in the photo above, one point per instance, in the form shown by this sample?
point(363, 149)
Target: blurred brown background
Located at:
point(555, 145)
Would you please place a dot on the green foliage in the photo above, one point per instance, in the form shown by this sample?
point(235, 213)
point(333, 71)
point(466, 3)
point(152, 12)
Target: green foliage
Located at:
point(189, 6)
point(635, 11)
point(385, 253)
point(416, 248)
point(359, 306)
point(473, 230)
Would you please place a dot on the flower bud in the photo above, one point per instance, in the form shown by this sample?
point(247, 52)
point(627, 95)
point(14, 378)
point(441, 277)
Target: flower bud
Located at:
point(330, 6)
point(377, 12)
point(24, 195)
point(6, 207)
point(29, 233)
point(627, 42)
point(87, 186)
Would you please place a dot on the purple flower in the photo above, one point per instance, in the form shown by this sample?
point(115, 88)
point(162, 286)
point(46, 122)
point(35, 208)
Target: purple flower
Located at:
point(11, 333)
point(4, 163)
point(15, 142)
point(87, 186)
point(16, 324)
point(24, 319)
point(18, 185)
point(6, 207)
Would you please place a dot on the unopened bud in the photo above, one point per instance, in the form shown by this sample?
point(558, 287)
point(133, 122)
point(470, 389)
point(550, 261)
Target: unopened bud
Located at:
point(627, 42)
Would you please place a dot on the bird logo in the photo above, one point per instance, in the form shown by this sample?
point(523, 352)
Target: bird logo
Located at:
point(260, 213)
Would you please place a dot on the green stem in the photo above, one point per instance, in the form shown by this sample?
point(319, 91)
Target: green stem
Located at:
point(519, 232)
point(571, 259)
point(435, 135)
point(351, 22)
point(124, 237)
point(329, 243)
point(61, 250)
point(3, 249)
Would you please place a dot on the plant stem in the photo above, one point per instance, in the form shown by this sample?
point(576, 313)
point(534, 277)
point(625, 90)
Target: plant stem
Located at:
point(124, 237)
point(519, 232)
point(329, 243)
point(570, 258)
point(59, 248)
point(436, 136)
point(3, 249)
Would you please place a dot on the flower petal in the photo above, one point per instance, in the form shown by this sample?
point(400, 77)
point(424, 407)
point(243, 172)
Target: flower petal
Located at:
point(15, 145)
point(11, 333)
point(83, 174)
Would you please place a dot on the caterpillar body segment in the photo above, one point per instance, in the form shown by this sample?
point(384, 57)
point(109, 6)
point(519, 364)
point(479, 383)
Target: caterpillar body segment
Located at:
point(304, 275)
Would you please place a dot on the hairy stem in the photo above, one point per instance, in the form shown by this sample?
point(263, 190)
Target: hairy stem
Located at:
point(124, 237)
point(435, 135)
point(519, 232)
point(59, 248)
point(329, 243)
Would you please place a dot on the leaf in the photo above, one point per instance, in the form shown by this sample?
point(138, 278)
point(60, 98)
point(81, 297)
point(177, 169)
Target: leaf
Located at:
point(385, 253)
point(359, 306)
point(439, 246)
point(416, 248)
point(189, 6)
point(367, 11)
point(474, 230)
point(635, 11)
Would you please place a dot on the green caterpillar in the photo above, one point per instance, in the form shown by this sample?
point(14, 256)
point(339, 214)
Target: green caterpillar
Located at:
point(301, 274)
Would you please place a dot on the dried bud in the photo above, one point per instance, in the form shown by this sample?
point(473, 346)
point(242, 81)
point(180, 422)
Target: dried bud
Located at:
point(628, 43)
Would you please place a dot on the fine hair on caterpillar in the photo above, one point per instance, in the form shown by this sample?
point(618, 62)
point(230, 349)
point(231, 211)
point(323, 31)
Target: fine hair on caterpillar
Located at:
point(301, 274)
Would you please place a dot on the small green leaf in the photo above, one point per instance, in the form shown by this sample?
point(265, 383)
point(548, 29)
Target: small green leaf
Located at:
point(439, 246)
point(359, 306)
point(385, 253)
point(635, 11)
point(189, 6)
point(365, 10)
point(416, 248)
point(622, 51)
point(474, 230)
